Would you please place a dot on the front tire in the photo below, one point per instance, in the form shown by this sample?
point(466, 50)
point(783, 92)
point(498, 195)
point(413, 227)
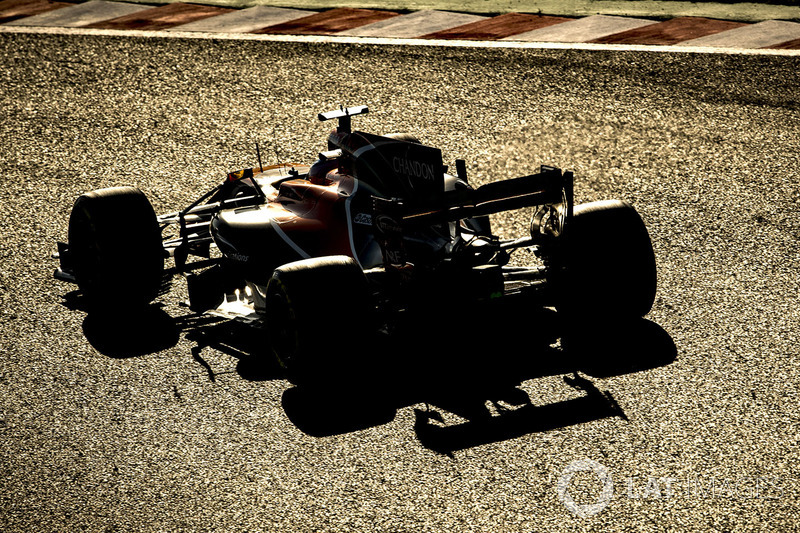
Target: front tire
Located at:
point(116, 248)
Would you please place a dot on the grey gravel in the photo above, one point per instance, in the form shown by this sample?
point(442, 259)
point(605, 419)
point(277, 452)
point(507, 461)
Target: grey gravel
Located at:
point(138, 437)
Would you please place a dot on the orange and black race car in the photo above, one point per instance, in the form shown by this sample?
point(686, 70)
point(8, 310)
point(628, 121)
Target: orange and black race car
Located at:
point(375, 229)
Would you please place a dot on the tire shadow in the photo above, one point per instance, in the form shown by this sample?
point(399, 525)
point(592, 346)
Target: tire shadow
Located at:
point(124, 335)
point(614, 348)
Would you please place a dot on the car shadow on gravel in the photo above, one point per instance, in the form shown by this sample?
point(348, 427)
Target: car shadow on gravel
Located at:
point(246, 343)
point(461, 374)
point(464, 379)
point(122, 335)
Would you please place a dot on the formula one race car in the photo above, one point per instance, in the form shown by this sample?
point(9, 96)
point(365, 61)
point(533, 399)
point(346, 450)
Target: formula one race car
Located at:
point(328, 254)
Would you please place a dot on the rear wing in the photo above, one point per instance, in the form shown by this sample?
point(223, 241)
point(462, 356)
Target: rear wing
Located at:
point(549, 189)
point(548, 186)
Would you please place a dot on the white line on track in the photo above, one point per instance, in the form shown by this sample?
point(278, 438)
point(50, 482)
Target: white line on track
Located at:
point(397, 41)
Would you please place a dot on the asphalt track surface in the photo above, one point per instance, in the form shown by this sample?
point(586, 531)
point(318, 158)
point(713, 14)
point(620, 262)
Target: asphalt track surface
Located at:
point(172, 423)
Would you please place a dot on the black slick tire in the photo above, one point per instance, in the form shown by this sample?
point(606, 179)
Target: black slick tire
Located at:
point(319, 314)
point(116, 249)
point(608, 264)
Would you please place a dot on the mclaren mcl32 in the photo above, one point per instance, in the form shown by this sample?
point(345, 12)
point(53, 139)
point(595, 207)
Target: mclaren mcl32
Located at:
point(376, 228)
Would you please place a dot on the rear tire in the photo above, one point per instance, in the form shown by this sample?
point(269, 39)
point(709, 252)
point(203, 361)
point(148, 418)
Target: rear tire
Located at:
point(608, 265)
point(318, 310)
point(116, 248)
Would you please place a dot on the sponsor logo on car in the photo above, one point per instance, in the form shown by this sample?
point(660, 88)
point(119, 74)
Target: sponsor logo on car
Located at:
point(363, 218)
point(413, 168)
point(387, 225)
